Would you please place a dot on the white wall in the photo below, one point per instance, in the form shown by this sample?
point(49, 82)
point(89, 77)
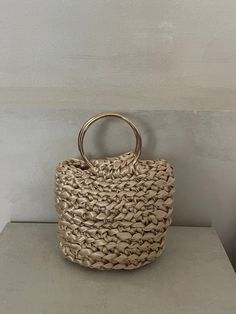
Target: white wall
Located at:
point(169, 64)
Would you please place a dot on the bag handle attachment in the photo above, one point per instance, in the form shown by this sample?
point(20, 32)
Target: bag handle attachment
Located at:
point(87, 124)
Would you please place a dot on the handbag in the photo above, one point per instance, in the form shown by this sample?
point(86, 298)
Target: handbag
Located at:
point(113, 213)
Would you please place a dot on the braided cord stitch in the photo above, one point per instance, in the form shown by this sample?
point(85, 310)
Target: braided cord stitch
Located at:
point(116, 214)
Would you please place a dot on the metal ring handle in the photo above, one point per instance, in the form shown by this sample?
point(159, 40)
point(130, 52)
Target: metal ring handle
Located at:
point(86, 125)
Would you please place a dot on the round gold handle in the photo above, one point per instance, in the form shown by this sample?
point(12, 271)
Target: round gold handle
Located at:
point(86, 125)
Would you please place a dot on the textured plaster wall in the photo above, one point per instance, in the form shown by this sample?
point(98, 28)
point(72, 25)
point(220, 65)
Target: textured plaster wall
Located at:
point(118, 45)
point(200, 145)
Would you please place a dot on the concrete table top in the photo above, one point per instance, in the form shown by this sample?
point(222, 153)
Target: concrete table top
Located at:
point(192, 276)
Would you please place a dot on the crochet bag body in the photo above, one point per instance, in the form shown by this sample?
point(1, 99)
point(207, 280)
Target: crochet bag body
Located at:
point(113, 213)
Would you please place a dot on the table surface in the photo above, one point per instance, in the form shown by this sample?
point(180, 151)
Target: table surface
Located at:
point(192, 276)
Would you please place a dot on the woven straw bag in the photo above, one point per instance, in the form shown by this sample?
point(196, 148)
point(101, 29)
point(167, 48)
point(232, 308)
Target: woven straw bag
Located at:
point(113, 213)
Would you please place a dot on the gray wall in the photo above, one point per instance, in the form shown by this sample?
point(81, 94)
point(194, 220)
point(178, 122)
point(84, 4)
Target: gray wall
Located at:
point(122, 45)
point(201, 146)
point(170, 65)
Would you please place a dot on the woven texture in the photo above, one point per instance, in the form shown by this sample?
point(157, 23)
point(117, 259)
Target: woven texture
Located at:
point(116, 214)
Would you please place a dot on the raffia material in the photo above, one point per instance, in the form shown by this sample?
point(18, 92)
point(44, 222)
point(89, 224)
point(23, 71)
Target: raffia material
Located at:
point(116, 214)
